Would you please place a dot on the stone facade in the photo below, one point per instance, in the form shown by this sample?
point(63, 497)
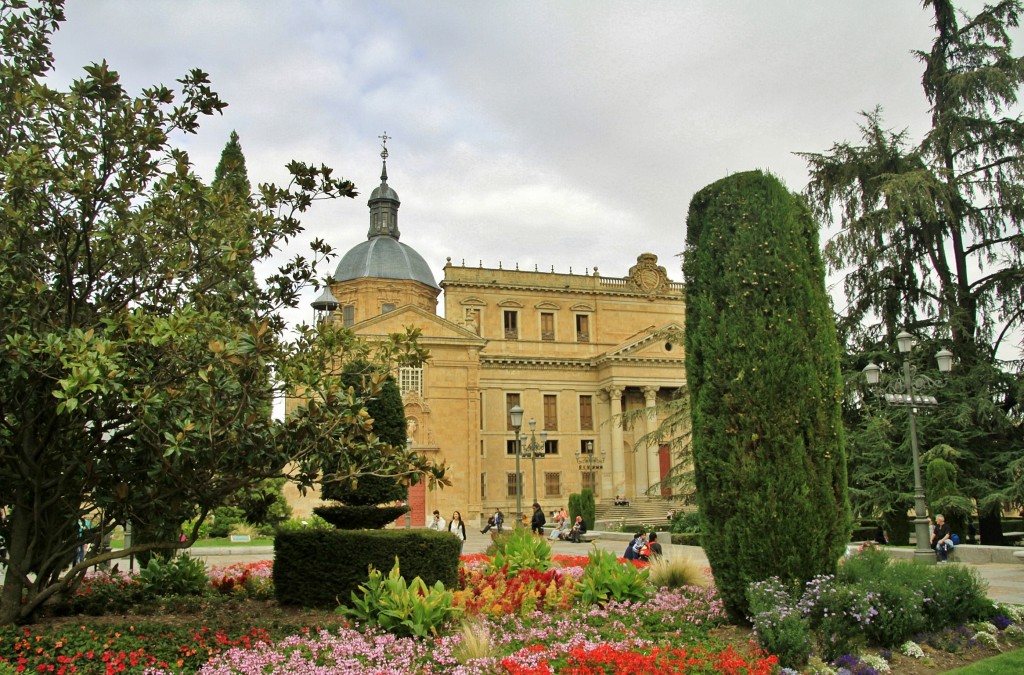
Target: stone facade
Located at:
point(575, 351)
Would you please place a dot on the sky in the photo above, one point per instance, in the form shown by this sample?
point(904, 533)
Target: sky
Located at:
point(568, 135)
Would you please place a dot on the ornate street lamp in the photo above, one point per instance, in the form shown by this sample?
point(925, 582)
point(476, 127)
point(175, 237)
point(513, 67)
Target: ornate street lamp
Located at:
point(590, 463)
point(515, 415)
point(534, 451)
point(901, 393)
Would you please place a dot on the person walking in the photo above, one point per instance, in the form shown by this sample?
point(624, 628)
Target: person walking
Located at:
point(458, 528)
point(537, 521)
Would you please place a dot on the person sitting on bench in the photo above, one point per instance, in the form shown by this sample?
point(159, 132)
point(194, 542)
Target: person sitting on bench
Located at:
point(575, 535)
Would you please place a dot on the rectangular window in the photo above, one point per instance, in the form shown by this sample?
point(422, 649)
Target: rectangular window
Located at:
point(511, 324)
point(483, 486)
point(552, 484)
point(550, 447)
point(410, 380)
point(511, 401)
point(590, 481)
point(348, 315)
point(550, 412)
point(582, 328)
point(547, 326)
point(586, 412)
point(587, 447)
point(510, 484)
point(510, 446)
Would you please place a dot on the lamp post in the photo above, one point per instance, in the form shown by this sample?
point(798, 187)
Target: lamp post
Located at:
point(901, 394)
point(515, 415)
point(408, 507)
point(534, 451)
point(590, 463)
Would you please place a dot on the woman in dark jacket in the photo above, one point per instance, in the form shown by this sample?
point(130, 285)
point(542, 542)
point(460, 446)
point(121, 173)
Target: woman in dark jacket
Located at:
point(538, 520)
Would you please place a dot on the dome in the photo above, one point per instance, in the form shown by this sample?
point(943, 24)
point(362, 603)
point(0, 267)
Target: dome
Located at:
point(384, 257)
point(383, 191)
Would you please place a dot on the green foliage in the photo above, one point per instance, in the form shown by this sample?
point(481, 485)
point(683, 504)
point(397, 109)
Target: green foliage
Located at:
point(685, 522)
point(231, 175)
point(521, 550)
point(928, 239)
point(141, 360)
point(313, 522)
point(399, 607)
point(224, 518)
point(576, 508)
point(360, 517)
point(387, 412)
point(944, 496)
point(319, 568)
point(182, 575)
point(588, 507)
point(605, 579)
point(779, 626)
point(762, 363)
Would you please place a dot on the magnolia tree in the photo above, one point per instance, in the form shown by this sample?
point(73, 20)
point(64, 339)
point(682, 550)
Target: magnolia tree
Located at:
point(139, 364)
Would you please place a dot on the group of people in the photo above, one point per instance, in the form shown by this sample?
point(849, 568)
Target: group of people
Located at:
point(621, 500)
point(643, 547)
point(563, 531)
point(456, 525)
point(497, 521)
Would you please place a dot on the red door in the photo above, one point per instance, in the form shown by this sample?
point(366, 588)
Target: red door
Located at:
point(664, 464)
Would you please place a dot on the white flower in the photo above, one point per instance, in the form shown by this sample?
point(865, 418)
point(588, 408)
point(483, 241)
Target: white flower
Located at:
point(911, 649)
point(876, 662)
point(987, 639)
point(985, 627)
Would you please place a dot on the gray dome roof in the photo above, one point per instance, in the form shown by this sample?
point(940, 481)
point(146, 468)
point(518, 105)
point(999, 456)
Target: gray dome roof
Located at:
point(383, 191)
point(384, 257)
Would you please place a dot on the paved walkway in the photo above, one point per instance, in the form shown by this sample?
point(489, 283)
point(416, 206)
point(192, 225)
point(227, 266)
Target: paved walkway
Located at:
point(1005, 581)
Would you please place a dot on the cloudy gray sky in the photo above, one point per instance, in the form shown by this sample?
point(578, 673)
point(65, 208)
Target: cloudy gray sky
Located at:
point(565, 134)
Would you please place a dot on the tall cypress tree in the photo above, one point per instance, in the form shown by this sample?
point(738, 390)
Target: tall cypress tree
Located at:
point(762, 363)
point(231, 174)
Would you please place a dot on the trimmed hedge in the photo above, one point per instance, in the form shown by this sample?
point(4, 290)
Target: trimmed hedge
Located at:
point(360, 517)
point(321, 568)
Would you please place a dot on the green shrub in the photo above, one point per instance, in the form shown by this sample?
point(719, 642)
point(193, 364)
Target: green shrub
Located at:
point(953, 595)
point(780, 628)
point(763, 373)
point(223, 519)
point(316, 567)
point(899, 615)
point(521, 550)
point(183, 575)
point(313, 522)
point(588, 507)
point(605, 578)
point(871, 562)
point(399, 607)
point(359, 517)
point(836, 612)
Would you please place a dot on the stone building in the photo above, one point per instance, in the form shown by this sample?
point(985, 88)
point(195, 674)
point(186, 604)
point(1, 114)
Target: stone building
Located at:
point(574, 351)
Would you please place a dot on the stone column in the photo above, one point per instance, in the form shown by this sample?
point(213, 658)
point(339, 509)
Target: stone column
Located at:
point(618, 452)
point(653, 463)
point(604, 443)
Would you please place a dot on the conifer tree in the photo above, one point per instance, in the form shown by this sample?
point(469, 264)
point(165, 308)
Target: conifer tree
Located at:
point(762, 364)
point(929, 241)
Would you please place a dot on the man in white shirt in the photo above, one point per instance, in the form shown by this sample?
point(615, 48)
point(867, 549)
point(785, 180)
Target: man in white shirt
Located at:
point(438, 523)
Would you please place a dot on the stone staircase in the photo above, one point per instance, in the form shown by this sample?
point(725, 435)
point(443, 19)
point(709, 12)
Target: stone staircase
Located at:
point(642, 510)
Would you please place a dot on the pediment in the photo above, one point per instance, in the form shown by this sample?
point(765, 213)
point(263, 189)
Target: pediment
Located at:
point(431, 325)
point(651, 343)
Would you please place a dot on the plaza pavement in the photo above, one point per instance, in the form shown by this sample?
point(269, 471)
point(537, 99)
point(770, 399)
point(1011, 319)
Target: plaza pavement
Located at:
point(1005, 581)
